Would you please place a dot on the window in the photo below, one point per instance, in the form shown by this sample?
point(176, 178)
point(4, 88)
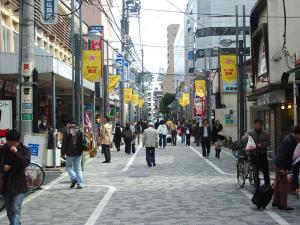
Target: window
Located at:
point(16, 42)
point(6, 38)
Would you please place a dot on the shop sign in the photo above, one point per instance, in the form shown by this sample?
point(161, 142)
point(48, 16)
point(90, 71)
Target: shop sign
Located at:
point(37, 146)
point(271, 98)
point(49, 12)
point(26, 116)
point(5, 114)
point(97, 44)
point(27, 68)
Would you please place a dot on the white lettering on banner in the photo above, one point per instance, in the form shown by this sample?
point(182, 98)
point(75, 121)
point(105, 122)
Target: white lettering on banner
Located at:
point(49, 9)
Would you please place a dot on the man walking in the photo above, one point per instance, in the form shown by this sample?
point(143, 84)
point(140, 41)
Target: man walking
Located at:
point(205, 136)
point(14, 158)
point(258, 157)
point(73, 145)
point(105, 137)
point(162, 131)
point(150, 141)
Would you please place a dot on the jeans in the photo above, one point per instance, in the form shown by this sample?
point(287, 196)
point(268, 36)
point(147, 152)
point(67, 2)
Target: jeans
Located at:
point(260, 162)
point(295, 182)
point(106, 152)
point(150, 156)
point(205, 146)
point(13, 204)
point(73, 166)
point(162, 140)
point(174, 139)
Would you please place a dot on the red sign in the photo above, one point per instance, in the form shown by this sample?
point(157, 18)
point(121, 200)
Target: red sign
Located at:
point(199, 107)
point(96, 44)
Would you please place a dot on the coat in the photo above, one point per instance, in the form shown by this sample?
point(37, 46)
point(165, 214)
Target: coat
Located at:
point(162, 129)
point(105, 134)
point(150, 138)
point(215, 132)
point(208, 131)
point(15, 179)
point(118, 136)
point(259, 138)
point(285, 152)
point(71, 144)
point(196, 132)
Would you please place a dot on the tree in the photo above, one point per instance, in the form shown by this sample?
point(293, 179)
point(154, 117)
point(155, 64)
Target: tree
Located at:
point(165, 102)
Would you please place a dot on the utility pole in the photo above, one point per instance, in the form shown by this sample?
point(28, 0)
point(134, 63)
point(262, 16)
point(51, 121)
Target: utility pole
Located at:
point(77, 78)
point(208, 84)
point(27, 36)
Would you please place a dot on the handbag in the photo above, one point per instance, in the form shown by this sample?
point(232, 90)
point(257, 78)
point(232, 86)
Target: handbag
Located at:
point(251, 146)
point(2, 173)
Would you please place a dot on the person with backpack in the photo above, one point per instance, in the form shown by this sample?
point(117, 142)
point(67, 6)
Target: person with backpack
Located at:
point(14, 158)
point(73, 144)
point(162, 132)
point(118, 136)
point(127, 136)
point(105, 139)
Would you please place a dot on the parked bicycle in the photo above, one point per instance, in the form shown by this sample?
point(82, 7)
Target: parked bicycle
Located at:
point(244, 168)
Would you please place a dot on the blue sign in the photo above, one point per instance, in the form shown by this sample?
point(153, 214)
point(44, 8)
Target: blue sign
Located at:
point(34, 149)
point(26, 106)
point(120, 60)
point(96, 28)
point(49, 9)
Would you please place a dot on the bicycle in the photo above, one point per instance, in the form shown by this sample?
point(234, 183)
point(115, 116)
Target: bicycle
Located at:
point(245, 171)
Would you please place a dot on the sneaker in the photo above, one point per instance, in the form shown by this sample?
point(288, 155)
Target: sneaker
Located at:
point(73, 183)
point(79, 187)
point(154, 164)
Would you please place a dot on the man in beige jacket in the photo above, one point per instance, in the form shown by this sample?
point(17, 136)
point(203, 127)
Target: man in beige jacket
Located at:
point(105, 139)
point(150, 141)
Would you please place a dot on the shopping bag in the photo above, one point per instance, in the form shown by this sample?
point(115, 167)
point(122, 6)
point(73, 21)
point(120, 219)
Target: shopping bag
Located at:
point(251, 146)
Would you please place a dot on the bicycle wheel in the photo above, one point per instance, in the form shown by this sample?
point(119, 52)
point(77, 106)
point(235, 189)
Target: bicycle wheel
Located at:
point(35, 176)
point(2, 203)
point(241, 173)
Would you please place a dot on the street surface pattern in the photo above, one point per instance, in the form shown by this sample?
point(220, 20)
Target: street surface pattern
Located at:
point(182, 189)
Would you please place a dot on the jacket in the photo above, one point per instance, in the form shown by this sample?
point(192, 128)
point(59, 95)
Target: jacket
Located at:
point(162, 129)
point(127, 135)
point(259, 138)
point(15, 179)
point(72, 141)
point(215, 132)
point(150, 138)
point(174, 129)
point(285, 152)
point(208, 132)
point(197, 132)
point(105, 134)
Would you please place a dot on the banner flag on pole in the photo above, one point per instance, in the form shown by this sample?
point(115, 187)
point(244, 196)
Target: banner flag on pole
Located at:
point(127, 95)
point(91, 65)
point(113, 82)
point(135, 100)
point(186, 99)
point(200, 87)
point(141, 102)
point(228, 68)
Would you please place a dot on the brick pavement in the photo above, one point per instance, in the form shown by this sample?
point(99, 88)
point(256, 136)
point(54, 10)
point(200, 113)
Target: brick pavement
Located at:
point(183, 189)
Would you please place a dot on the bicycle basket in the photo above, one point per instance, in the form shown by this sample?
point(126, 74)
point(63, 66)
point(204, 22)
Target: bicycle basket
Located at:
point(238, 152)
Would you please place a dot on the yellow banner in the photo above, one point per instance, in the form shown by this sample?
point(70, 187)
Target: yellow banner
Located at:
point(186, 99)
point(91, 65)
point(135, 100)
point(141, 102)
point(228, 68)
point(127, 95)
point(200, 88)
point(180, 101)
point(113, 82)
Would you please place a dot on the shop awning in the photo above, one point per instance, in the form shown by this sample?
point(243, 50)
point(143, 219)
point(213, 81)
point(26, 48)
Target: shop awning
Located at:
point(285, 76)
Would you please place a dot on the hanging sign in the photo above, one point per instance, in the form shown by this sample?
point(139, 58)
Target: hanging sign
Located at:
point(127, 94)
point(49, 11)
point(113, 82)
point(141, 102)
point(228, 68)
point(135, 100)
point(97, 44)
point(91, 66)
point(200, 88)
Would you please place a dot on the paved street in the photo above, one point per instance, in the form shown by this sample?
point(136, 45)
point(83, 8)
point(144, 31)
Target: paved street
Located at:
point(183, 189)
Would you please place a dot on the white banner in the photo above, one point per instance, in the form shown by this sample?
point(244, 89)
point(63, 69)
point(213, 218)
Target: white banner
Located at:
point(49, 11)
point(6, 114)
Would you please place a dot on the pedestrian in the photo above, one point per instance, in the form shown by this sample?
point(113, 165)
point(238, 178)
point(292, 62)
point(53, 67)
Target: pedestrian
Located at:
point(128, 137)
point(258, 156)
point(217, 137)
point(174, 133)
point(118, 136)
point(14, 158)
point(206, 137)
point(157, 124)
point(182, 133)
point(188, 132)
point(73, 144)
point(105, 139)
point(283, 164)
point(150, 142)
point(134, 135)
point(162, 132)
point(196, 133)
point(296, 168)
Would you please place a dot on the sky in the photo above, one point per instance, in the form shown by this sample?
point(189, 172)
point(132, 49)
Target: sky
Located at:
point(154, 29)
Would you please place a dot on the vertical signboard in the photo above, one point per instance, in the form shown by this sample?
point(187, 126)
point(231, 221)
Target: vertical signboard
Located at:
point(97, 44)
point(26, 96)
point(5, 114)
point(49, 11)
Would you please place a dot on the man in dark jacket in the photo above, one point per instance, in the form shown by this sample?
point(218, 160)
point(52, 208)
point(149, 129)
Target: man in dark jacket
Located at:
point(258, 157)
point(14, 158)
point(72, 147)
point(206, 136)
point(283, 163)
point(196, 133)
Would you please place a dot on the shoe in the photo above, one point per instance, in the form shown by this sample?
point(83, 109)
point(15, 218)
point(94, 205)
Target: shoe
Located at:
point(105, 162)
point(73, 183)
point(154, 164)
point(79, 187)
point(286, 209)
point(149, 165)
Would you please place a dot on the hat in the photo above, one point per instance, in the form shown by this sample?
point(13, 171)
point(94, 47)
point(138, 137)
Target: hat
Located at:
point(151, 124)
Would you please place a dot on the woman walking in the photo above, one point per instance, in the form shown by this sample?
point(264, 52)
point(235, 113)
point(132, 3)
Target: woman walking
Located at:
point(217, 137)
point(127, 135)
point(174, 133)
point(118, 136)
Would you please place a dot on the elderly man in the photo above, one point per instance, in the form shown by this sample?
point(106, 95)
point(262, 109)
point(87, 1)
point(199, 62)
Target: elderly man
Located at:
point(150, 141)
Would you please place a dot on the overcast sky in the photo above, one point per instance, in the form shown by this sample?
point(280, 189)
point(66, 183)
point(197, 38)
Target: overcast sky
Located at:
point(154, 29)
